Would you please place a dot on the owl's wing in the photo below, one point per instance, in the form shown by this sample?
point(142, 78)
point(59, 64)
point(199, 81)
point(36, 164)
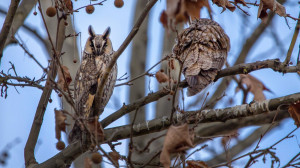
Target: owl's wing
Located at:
point(86, 82)
point(204, 69)
point(205, 57)
point(108, 88)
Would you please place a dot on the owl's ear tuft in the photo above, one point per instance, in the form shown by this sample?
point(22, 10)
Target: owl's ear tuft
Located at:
point(106, 33)
point(91, 31)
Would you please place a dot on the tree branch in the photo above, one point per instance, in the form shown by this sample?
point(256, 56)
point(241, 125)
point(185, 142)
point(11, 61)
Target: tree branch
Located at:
point(27, 81)
point(256, 113)
point(7, 24)
point(237, 69)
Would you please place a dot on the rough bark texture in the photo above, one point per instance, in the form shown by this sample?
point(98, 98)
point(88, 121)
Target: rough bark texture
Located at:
point(137, 67)
point(211, 123)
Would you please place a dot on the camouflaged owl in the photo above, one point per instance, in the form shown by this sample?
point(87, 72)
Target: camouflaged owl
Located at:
point(202, 51)
point(96, 57)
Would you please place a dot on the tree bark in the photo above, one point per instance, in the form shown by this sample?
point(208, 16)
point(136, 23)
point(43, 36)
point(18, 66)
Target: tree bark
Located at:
point(137, 67)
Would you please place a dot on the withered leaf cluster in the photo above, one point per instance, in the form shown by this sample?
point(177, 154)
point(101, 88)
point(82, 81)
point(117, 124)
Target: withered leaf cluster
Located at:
point(179, 11)
point(255, 86)
point(161, 77)
point(273, 5)
point(178, 139)
point(64, 78)
point(182, 11)
point(60, 123)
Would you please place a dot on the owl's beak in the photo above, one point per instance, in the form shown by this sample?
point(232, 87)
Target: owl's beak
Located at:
point(99, 50)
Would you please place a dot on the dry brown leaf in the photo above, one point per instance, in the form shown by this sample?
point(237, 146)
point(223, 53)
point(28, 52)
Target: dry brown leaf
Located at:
point(179, 11)
point(176, 11)
point(60, 123)
point(62, 76)
point(224, 4)
point(115, 156)
point(164, 19)
point(193, 7)
point(178, 139)
point(161, 77)
point(69, 5)
point(273, 5)
point(294, 110)
point(255, 86)
point(95, 128)
point(88, 163)
point(196, 164)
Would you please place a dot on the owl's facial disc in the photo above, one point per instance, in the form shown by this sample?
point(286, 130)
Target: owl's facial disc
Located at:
point(99, 45)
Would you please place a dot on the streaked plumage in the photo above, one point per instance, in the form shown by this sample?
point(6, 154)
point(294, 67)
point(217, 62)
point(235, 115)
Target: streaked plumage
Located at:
point(202, 50)
point(96, 57)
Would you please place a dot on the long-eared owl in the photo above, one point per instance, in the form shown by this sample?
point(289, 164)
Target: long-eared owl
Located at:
point(96, 57)
point(202, 50)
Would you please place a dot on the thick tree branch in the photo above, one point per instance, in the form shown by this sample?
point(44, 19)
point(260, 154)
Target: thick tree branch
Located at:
point(7, 24)
point(214, 123)
point(204, 116)
point(137, 104)
point(273, 64)
point(237, 69)
point(117, 54)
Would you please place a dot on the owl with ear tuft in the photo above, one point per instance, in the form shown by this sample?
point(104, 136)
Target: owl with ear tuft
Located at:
point(202, 50)
point(96, 57)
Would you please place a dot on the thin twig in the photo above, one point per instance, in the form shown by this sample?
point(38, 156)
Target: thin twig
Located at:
point(143, 74)
point(22, 45)
point(293, 42)
point(108, 157)
point(149, 142)
point(28, 82)
point(260, 152)
point(130, 146)
point(99, 3)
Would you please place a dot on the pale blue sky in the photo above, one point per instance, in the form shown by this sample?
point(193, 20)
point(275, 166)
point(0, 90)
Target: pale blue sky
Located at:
point(17, 111)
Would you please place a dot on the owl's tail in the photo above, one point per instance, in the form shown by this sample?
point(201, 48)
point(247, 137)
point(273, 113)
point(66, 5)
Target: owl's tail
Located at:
point(199, 82)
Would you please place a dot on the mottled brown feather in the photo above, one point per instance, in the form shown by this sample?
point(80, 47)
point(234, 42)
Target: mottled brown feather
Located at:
point(202, 50)
point(96, 57)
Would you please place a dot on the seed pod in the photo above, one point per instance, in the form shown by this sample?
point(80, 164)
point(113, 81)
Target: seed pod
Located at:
point(119, 3)
point(51, 11)
point(89, 9)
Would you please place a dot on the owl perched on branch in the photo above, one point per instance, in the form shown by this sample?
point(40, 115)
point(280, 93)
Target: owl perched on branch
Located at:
point(202, 50)
point(96, 57)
